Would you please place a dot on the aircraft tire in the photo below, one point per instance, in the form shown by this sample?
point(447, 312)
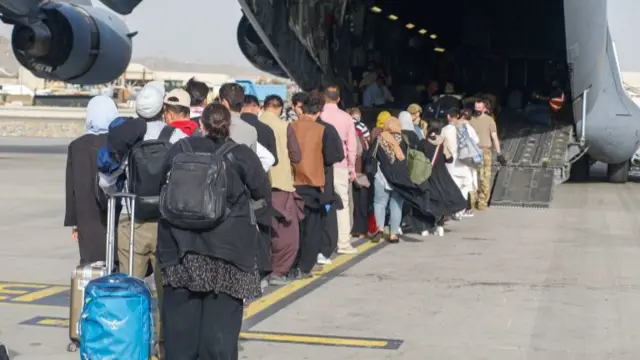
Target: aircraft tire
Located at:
point(580, 170)
point(618, 173)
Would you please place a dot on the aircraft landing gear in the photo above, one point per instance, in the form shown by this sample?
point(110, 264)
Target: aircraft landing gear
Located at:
point(618, 173)
point(580, 169)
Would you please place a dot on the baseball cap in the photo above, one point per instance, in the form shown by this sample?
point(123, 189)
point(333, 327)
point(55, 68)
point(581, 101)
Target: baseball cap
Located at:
point(149, 101)
point(414, 108)
point(178, 97)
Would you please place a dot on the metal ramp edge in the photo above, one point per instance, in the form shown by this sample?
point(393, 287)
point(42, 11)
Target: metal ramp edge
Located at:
point(523, 188)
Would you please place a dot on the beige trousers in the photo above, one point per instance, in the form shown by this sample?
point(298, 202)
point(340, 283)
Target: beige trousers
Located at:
point(342, 185)
point(144, 250)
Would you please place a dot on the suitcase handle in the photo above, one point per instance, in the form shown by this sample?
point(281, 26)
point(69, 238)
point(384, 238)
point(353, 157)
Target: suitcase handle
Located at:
point(111, 229)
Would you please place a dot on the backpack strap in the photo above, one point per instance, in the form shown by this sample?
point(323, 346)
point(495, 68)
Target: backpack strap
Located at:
point(166, 132)
point(184, 144)
point(224, 150)
point(435, 154)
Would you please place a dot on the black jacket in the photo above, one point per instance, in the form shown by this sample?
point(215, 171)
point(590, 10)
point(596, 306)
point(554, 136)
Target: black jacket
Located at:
point(266, 137)
point(235, 240)
point(333, 153)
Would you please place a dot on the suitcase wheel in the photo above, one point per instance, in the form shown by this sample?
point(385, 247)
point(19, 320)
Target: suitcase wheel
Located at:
point(72, 347)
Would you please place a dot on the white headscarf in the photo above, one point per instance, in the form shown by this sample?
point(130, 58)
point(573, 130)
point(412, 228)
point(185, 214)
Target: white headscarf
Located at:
point(101, 111)
point(406, 123)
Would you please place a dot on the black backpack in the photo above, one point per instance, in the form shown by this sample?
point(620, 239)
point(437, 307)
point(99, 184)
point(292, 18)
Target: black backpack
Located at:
point(146, 160)
point(195, 195)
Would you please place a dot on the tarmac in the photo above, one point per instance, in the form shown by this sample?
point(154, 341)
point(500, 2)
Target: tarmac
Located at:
point(560, 283)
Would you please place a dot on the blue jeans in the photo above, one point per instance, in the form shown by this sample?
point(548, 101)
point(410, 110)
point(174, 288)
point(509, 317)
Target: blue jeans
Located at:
point(383, 198)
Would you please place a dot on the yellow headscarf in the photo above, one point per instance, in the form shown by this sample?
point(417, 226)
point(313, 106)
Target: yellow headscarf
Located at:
point(382, 118)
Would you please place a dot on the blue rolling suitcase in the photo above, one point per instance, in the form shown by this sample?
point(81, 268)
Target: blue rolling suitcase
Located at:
point(116, 320)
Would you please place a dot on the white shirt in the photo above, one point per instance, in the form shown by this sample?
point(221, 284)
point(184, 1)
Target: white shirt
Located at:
point(266, 157)
point(464, 176)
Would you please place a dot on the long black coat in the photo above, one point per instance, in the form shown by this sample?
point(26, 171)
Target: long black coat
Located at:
point(82, 209)
point(444, 196)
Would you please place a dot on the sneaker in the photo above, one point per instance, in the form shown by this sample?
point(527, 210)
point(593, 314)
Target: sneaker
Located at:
point(467, 213)
point(440, 231)
point(425, 233)
point(348, 251)
point(275, 280)
point(457, 216)
point(323, 260)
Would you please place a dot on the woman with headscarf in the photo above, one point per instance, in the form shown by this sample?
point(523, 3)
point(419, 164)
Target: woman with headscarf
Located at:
point(408, 129)
point(445, 198)
point(389, 149)
point(83, 214)
point(380, 120)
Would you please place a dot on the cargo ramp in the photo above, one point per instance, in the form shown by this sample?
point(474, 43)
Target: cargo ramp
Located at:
point(537, 158)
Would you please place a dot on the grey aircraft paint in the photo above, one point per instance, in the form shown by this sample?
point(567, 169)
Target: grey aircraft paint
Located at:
point(613, 120)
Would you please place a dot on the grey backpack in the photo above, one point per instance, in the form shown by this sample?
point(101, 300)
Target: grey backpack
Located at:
point(469, 152)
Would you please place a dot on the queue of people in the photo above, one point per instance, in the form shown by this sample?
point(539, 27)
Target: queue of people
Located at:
point(300, 184)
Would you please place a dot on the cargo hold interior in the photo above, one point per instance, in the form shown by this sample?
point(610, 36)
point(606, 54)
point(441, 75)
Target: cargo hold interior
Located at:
point(482, 46)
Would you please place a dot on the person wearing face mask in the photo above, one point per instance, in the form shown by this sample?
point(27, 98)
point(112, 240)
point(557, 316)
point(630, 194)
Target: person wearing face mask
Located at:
point(485, 127)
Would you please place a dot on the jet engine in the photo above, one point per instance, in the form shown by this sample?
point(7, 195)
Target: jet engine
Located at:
point(256, 51)
point(72, 43)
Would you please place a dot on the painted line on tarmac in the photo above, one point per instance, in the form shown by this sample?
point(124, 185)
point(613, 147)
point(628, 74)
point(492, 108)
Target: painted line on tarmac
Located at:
point(276, 337)
point(266, 306)
point(273, 300)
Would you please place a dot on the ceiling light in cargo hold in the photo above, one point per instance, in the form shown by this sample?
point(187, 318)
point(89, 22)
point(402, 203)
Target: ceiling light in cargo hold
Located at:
point(376, 9)
point(438, 49)
point(422, 31)
point(433, 36)
point(410, 26)
point(392, 17)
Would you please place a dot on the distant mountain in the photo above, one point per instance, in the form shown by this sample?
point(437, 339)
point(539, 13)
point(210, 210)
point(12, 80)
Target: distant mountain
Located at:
point(10, 65)
point(166, 64)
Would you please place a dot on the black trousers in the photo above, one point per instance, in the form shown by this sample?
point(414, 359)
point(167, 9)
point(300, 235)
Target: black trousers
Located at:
point(311, 237)
point(361, 202)
point(200, 326)
point(330, 233)
point(264, 251)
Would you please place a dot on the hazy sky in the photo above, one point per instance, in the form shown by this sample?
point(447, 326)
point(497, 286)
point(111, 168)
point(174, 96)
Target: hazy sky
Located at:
point(166, 25)
point(165, 22)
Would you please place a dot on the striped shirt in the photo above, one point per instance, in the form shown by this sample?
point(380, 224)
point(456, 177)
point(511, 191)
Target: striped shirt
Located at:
point(362, 128)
